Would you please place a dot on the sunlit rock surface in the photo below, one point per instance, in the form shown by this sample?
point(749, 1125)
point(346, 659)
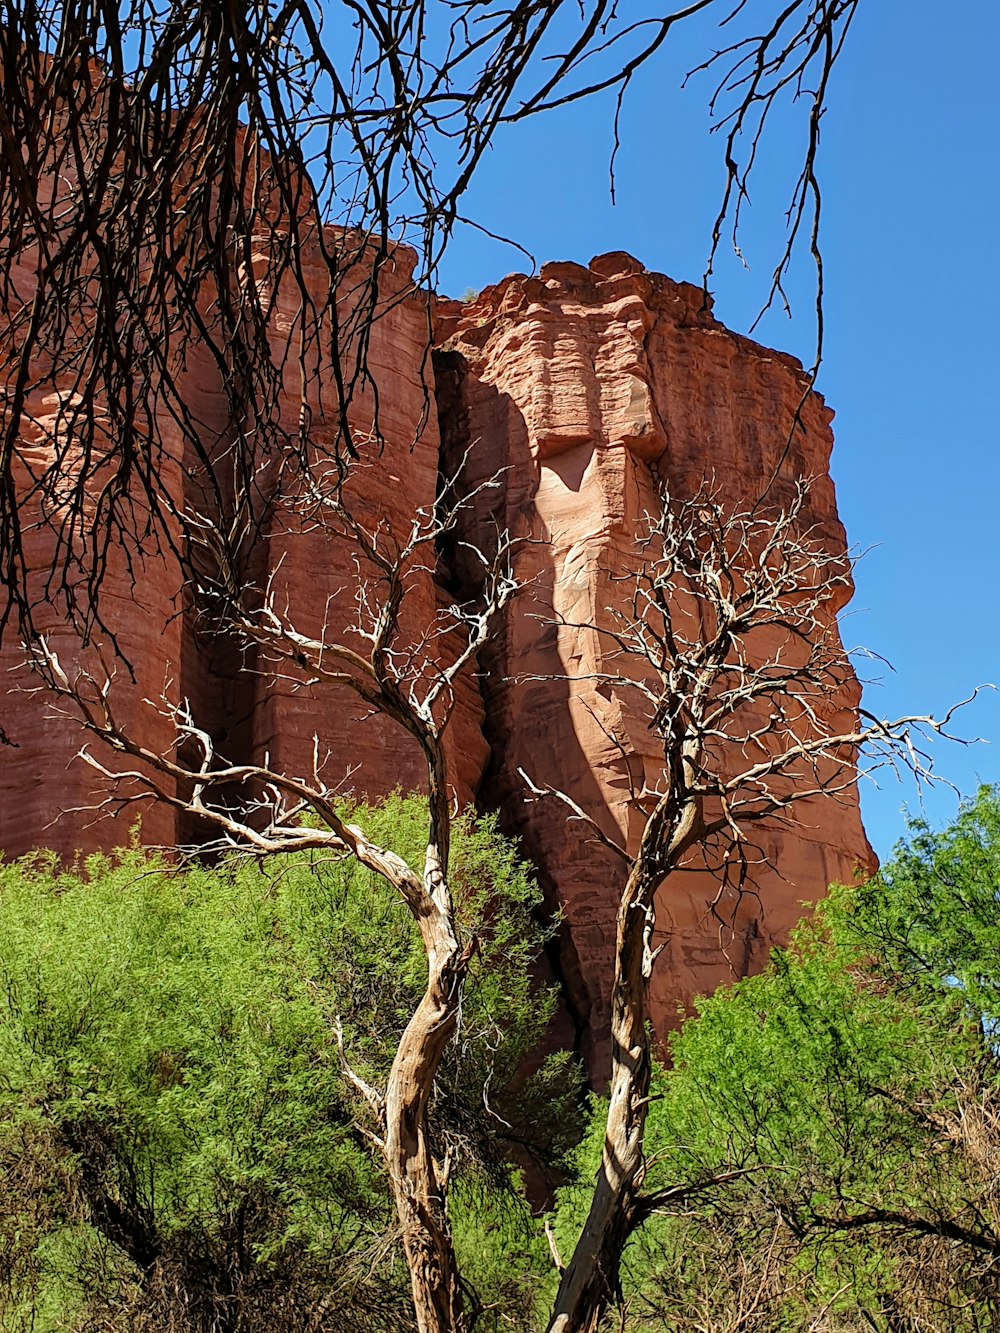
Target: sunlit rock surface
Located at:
point(574, 390)
point(585, 384)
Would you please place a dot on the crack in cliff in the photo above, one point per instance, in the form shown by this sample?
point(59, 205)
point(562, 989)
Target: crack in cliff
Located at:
point(457, 577)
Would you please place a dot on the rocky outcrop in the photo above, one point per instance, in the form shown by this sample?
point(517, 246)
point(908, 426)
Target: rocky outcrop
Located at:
point(159, 650)
point(588, 385)
point(579, 389)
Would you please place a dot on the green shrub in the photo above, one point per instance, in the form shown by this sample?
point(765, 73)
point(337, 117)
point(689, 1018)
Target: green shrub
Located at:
point(183, 1149)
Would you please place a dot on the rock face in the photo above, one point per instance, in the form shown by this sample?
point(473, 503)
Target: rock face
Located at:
point(588, 385)
point(580, 387)
point(247, 704)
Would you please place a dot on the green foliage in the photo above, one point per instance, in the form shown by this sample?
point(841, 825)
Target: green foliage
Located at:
point(933, 913)
point(183, 1148)
point(854, 1089)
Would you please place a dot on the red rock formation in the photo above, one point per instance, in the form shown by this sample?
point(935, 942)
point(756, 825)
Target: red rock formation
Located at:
point(315, 573)
point(248, 705)
point(583, 383)
point(579, 383)
point(185, 411)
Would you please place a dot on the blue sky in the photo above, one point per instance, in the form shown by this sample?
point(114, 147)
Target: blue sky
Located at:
point(909, 171)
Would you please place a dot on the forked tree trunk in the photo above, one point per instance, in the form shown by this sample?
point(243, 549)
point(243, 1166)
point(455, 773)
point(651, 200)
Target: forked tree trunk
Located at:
point(419, 1192)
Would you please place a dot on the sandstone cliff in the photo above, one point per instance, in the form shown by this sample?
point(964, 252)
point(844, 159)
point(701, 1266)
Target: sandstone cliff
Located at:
point(581, 387)
point(587, 384)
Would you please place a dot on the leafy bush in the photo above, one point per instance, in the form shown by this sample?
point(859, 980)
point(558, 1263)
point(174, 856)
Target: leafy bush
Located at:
point(183, 1149)
point(847, 1103)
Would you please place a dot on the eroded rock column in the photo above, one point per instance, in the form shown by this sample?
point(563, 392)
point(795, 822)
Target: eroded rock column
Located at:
point(590, 386)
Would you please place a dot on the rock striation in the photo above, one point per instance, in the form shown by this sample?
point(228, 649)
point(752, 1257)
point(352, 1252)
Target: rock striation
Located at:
point(580, 388)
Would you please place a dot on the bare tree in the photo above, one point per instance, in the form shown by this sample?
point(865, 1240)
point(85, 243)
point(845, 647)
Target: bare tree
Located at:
point(729, 648)
point(175, 170)
point(410, 680)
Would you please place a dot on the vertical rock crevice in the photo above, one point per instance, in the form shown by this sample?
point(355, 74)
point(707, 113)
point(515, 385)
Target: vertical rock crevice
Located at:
point(485, 461)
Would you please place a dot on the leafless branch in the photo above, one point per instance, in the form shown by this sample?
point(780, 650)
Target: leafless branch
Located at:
point(577, 812)
point(726, 643)
point(177, 176)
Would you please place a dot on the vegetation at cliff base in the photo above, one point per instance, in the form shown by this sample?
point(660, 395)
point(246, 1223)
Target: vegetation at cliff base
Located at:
point(181, 1145)
point(848, 1102)
point(184, 1147)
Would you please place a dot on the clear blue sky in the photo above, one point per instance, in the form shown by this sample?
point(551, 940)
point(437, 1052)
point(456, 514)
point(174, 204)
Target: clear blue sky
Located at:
point(909, 169)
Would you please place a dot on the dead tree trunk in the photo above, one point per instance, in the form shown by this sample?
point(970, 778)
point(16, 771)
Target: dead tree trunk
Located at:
point(591, 1279)
point(418, 1181)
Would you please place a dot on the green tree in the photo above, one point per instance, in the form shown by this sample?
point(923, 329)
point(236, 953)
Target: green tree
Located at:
point(183, 1146)
point(823, 1152)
